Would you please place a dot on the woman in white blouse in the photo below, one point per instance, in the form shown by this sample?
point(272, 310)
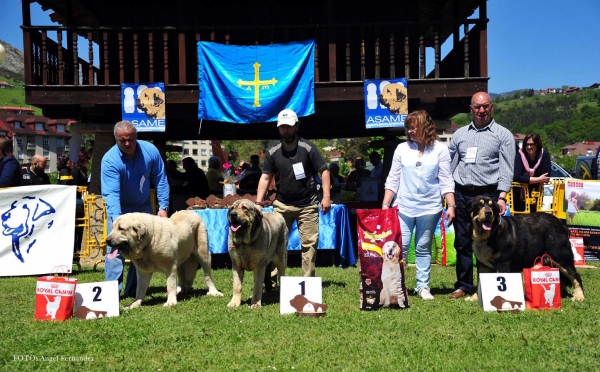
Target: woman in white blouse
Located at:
point(420, 175)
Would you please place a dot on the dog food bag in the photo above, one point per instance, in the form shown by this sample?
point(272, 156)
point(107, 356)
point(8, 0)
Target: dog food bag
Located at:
point(542, 286)
point(382, 281)
point(54, 297)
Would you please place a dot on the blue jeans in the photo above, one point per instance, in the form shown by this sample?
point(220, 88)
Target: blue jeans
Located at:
point(113, 269)
point(424, 227)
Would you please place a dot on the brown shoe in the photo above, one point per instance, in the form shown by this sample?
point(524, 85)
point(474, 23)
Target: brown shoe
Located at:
point(457, 294)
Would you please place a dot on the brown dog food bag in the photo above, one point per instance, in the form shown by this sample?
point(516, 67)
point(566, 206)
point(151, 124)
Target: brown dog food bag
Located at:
point(382, 280)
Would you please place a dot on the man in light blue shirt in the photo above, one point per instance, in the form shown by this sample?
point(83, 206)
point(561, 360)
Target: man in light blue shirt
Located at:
point(128, 170)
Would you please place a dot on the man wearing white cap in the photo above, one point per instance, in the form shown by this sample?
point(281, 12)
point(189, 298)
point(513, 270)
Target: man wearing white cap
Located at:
point(296, 162)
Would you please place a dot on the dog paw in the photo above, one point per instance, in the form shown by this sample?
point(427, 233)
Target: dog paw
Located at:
point(472, 298)
point(215, 293)
point(255, 306)
point(133, 305)
point(170, 303)
point(178, 289)
point(577, 298)
point(233, 304)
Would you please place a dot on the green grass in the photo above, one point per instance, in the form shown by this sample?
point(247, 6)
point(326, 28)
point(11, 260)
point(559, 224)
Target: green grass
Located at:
point(586, 218)
point(202, 334)
point(15, 96)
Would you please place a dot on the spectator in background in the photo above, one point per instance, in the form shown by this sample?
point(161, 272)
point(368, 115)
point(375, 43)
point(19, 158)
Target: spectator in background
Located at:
point(10, 170)
point(248, 180)
point(197, 183)
point(359, 171)
point(532, 166)
point(65, 169)
point(377, 170)
point(213, 175)
point(34, 174)
point(80, 173)
point(334, 171)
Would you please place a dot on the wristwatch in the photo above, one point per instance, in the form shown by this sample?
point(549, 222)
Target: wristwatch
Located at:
point(451, 206)
point(503, 199)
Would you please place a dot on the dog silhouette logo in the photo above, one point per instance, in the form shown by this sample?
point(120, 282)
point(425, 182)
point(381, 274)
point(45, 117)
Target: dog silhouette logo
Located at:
point(24, 217)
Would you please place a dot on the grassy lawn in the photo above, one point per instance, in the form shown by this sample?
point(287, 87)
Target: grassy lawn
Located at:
point(15, 96)
point(202, 334)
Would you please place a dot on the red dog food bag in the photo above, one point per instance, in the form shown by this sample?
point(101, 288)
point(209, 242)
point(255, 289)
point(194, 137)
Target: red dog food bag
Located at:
point(382, 281)
point(55, 297)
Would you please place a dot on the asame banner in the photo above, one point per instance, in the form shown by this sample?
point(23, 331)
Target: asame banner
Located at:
point(144, 105)
point(38, 229)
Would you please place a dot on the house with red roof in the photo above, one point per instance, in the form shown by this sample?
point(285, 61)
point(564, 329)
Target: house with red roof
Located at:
point(33, 134)
point(581, 148)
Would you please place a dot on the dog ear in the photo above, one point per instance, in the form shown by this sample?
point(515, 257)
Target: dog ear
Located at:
point(158, 100)
point(140, 230)
point(259, 213)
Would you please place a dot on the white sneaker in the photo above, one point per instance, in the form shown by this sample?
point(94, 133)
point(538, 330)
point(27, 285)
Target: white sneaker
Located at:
point(425, 294)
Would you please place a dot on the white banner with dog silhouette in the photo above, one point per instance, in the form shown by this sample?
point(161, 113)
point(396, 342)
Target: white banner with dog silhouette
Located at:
point(38, 229)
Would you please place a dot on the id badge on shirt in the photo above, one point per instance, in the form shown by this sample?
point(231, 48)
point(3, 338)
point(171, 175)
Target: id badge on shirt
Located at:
point(142, 180)
point(471, 155)
point(299, 171)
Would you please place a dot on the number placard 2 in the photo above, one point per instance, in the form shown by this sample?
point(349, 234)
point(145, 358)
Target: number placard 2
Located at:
point(291, 286)
point(97, 300)
point(501, 291)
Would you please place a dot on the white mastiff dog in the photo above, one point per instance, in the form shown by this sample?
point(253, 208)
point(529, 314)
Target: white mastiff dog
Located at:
point(173, 246)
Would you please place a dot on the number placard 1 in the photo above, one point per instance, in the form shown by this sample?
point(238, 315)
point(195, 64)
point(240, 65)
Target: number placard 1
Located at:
point(97, 300)
point(501, 291)
point(291, 286)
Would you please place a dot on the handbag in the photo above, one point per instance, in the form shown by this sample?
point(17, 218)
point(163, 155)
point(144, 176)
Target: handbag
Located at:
point(542, 285)
point(382, 280)
point(55, 295)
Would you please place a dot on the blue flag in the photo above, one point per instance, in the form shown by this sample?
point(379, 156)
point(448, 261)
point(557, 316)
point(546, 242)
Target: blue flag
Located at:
point(251, 84)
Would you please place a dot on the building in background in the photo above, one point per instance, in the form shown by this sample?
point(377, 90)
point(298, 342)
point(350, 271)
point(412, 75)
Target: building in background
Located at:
point(199, 150)
point(37, 135)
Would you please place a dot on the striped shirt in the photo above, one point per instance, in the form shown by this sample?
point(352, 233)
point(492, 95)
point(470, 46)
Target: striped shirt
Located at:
point(493, 164)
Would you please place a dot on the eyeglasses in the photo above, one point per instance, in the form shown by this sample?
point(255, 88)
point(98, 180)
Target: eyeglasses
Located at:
point(529, 144)
point(485, 106)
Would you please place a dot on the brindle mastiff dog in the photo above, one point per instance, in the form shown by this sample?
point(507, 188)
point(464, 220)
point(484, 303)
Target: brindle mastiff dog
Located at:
point(173, 246)
point(256, 239)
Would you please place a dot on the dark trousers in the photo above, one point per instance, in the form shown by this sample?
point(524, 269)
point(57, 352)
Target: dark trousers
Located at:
point(462, 237)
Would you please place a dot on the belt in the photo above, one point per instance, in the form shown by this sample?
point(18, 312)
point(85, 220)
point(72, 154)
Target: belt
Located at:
point(488, 188)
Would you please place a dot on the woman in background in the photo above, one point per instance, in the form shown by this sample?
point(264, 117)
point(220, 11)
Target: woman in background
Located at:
point(65, 169)
point(420, 175)
point(10, 170)
point(532, 166)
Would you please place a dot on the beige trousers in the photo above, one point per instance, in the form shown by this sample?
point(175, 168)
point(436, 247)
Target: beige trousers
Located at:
point(307, 219)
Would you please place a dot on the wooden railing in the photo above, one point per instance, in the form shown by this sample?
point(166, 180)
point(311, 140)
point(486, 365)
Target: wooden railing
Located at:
point(344, 52)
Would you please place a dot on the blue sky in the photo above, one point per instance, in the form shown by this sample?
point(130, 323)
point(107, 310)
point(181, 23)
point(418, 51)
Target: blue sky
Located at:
point(531, 44)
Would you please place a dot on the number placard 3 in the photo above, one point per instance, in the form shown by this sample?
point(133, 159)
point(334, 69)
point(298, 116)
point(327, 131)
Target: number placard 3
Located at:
point(501, 291)
point(97, 300)
point(291, 286)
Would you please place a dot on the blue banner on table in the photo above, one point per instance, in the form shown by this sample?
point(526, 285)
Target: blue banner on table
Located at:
point(386, 103)
point(252, 84)
point(144, 105)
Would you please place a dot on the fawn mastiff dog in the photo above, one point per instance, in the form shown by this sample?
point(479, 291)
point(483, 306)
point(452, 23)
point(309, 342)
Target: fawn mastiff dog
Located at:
point(256, 239)
point(173, 246)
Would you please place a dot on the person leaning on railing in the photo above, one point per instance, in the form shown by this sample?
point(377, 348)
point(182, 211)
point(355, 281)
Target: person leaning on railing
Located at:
point(532, 166)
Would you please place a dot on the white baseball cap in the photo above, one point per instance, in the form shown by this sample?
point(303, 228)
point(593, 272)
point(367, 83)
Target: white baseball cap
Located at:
point(287, 117)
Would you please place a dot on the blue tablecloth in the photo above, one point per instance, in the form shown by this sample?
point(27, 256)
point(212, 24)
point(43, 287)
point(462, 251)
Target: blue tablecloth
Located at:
point(334, 232)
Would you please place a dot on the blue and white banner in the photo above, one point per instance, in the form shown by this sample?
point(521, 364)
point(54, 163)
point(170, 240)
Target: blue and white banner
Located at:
point(144, 105)
point(38, 229)
point(252, 84)
point(386, 103)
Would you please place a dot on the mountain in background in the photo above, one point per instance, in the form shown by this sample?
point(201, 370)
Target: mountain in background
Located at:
point(511, 93)
point(13, 66)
